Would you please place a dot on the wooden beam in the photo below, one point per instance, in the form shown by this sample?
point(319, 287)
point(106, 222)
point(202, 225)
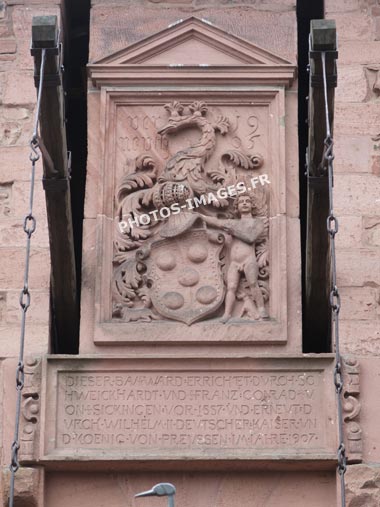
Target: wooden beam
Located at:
point(64, 307)
point(317, 317)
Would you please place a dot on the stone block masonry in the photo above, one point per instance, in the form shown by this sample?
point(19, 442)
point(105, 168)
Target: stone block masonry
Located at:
point(357, 203)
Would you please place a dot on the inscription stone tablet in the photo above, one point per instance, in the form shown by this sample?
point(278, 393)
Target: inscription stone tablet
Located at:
point(199, 410)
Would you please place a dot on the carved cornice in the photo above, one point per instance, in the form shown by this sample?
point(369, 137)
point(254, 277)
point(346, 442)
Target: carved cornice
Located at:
point(227, 75)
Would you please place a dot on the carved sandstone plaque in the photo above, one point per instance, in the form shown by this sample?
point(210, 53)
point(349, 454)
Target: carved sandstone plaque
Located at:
point(251, 409)
point(190, 202)
point(191, 236)
point(195, 243)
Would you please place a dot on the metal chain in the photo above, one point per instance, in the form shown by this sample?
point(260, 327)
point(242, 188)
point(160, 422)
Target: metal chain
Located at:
point(29, 228)
point(332, 229)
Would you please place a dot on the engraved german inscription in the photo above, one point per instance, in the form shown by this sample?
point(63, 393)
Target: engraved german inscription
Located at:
point(197, 410)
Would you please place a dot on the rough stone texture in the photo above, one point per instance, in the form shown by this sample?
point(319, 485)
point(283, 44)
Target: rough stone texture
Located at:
point(353, 26)
point(16, 165)
point(19, 90)
point(10, 132)
point(12, 233)
point(350, 231)
point(353, 6)
point(352, 84)
point(367, 258)
point(11, 270)
point(34, 3)
point(29, 487)
point(360, 337)
point(352, 153)
point(37, 342)
point(369, 392)
point(363, 486)
point(371, 232)
point(113, 26)
point(356, 194)
point(20, 196)
point(349, 118)
point(358, 52)
point(39, 310)
point(360, 303)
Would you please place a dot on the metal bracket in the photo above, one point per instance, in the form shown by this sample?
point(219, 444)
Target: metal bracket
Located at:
point(49, 79)
point(329, 54)
point(316, 80)
point(49, 51)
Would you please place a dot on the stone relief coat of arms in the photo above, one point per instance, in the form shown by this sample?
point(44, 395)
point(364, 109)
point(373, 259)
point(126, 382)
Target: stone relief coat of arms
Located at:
point(191, 239)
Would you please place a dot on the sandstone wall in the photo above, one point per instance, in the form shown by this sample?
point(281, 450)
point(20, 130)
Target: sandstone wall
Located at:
point(357, 204)
point(17, 106)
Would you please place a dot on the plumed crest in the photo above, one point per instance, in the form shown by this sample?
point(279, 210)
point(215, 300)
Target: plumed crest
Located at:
point(174, 108)
point(198, 106)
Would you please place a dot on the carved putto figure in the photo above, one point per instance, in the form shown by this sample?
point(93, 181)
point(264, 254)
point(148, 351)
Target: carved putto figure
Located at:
point(242, 255)
point(183, 249)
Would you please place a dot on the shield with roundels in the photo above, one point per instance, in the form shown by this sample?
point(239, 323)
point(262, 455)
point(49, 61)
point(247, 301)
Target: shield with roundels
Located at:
point(186, 275)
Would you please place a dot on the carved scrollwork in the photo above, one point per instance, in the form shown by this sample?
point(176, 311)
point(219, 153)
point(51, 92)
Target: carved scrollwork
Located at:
point(30, 410)
point(351, 409)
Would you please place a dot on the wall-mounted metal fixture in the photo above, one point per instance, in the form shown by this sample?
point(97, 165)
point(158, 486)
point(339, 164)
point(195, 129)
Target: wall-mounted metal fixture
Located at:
point(162, 489)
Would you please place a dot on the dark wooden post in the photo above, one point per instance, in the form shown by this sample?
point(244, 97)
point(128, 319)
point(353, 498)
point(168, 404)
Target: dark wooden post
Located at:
point(317, 318)
point(57, 186)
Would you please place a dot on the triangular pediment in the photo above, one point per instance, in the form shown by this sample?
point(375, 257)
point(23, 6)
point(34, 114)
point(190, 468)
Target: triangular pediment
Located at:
point(193, 41)
point(192, 52)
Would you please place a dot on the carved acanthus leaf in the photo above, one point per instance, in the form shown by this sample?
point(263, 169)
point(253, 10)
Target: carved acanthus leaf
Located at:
point(145, 176)
point(222, 124)
point(242, 160)
point(127, 280)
